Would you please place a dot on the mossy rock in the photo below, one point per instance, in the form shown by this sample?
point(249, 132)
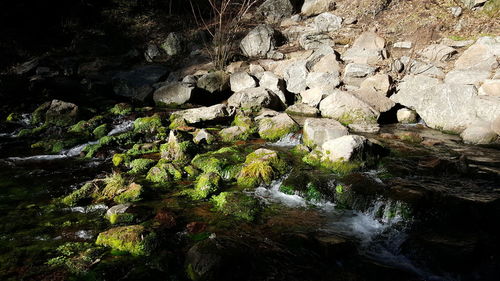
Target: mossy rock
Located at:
point(121, 109)
point(100, 131)
point(13, 117)
point(315, 159)
point(274, 128)
point(134, 239)
point(76, 257)
point(132, 194)
point(261, 167)
point(115, 183)
point(311, 185)
point(120, 158)
point(159, 174)
point(86, 127)
point(147, 124)
point(237, 204)
point(77, 196)
point(206, 184)
point(179, 148)
point(38, 116)
point(219, 161)
point(119, 214)
point(191, 171)
point(140, 166)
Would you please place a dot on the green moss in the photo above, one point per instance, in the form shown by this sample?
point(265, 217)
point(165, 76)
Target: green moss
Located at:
point(355, 116)
point(241, 120)
point(176, 122)
point(80, 194)
point(300, 150)
point(140, 166)
point(121, 218)
point(205, 185)
point(115, 183)
point(410, 137)
point(121, 109)
point(13, 117)
point(492, 8)
point(100, 131)
point(232, 134)
point(132, 194)
point(174, 171)
point(274, 131)
point(261, 166)
point(133, 239)
point(312, 193)
point(218, 161)
point(287, 189)
point(316, 159)
point(158, 174)
point(236, 204)
point(191, 171)
point(85, 128)
point(339, 189)
point(38, 116)
point(120, 158)
point(77, 257)
point(147, 124)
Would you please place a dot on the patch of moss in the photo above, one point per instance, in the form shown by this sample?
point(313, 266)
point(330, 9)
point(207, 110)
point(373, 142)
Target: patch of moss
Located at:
point(120, 158)
point(236, 204)
point(140, 165)
point(80, 194)
point(38, 116)
point(355, 116)
point(115, 184)
point(100, 131)
point(13, 117)
point(158, 174)
point(144, 148)
point(191, 171)
point(206, 184)
point(218, 161)
point(147, 124)
point(179, 148)
point(77, 257)
point(121, 218)
point(271, 131)
point(132, 194)
point(261, 166)
point(121, 109)
point(133, 239)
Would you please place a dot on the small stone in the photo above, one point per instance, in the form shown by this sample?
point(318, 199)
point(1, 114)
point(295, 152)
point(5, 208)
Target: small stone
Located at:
point(241, 80)
point(406, 116)
point(364, 128)
point(403, 45)
point(456, 11)
point(327, 22)
point(355, 73)
point(173, 94)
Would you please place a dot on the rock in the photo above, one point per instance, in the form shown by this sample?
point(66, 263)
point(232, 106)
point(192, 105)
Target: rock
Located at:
point(173, 44)
point(132, 238)
point(241, 80)
point(438, 53)
point(480, 56)
point(346, 108)
point(322, 80)
point(456, 11)
point(178, 149)
point(204, 114)
point(27, 67)
point(260, 167)
point(466, 77)
point(355, 73)
point(274, 83)
point(473, 3)
point(418, 67)
point(59, 113)
point(254, 99)
point(364, 128)
point(173, 94)
point(256, 70)
point(314, 96)
point(275, 10)
point(373, 91)
point(317, 131)
point(495, 125)
point(235, 133)
point(302, 109)
point(327, 63)
point(138, 83)
point(259, 41)
point(212, 82)
point(490, 88)
point(345, 148)
point(237, 66)
point(368, 48)
point(314, 40)
point(406, 116)
point(479, 133)
point(316, 7)
point(151, 53)
point(327, 22)
point(117, 213)
point(403, 45)
point(203, 136)
point(456, 43)
point(296, 76)
point(276, 127)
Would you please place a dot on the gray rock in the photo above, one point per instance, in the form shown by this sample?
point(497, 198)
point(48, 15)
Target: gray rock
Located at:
point(364, 128)
point(345, 148)
point(314, 96)
point(173, 94)
point(316, 7)
point(495, 125)
point(373, 91)
point(151, 52)
point(479, 133)
point(117, 209)
point(254, 99)
point(466, 77)
point(438, 53)
point(302, 109)
point(61, 113)
point(327, 63)
point(203, 135)
point(417, 67)
point(296, 76)
point(233, 133)
point(241, 80)
point(173, 44)
point(259, 41)
point(403, 45)
point(203, 114)
point(274, 83)
point(355, 73)
point(27, 67)
point(480, 56)
point(490, 88)
point(313, 40)
point(212, 82)
point(456, 43)
point(406, 116)
point(275, 127)
point(317, 131)
point(138, 83)
point(346, 108)
point(275, 10)
point(473, 3)
point(327, 22)
point(322, 80)
point(368, 48)
point(456, 11)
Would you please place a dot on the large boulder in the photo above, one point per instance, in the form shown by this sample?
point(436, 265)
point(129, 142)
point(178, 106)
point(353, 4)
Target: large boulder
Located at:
point(438, 53)
point(212, 82)
point(466, 77)
point(203, 114)
point(314, 96)
point(373, 91)
point(327, 63)
point(138, 83)
point(173, 44)
point(275, 10)
point(479, 133)
point(368, 48)
point(274, 83)
point(317, 131)
point(345, 148)
point(259, 41)
point(480, 56)
point(241, 80)
point(56, 112)
point(176, 93)
point(302, 109)
point(346, 108)
point(316, 7)
point(296, 76)
point(275, 127)
point(254, 99)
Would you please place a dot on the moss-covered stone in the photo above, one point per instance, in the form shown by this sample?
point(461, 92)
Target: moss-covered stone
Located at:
point(191, 171)
point(84, 192)
point(85, 127)
point(147, 124)
point(134, 239)
point(206, 184)
point(13, 117)
point(143, 148)
point(274, 128)
point(140, 166)
point(76, 257)
point(158, 174)
point(100, 131)
point(115, 184)
point(120, 158)
point(261, 166)
point(218, 161)
point(121, 109)
point(316, 159)
point(131, 194)
point(236, 204)
point(38, 116)
point(235, 133)
point(179, 148)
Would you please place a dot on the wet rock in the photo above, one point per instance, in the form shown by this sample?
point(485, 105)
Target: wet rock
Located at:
point(138, 83)
point(490, 88)
point(259, 41)
point(225, 162)
point(317, 131)
point(327, 22)
point(59, 113)
point(253, 99)
point(479, 133)
point(368, 48)
point(117, 214)
point(134, 239)
point(212, 82)
point(296, 76)
point(411, 137)
point(275, 10)
point(234, 133)
point(355, 73)
point(241, 80)
point(237, 204)
point(347, 109)
point(218, 112)
point(178, 148)
point(406, 116)
point(173, 44)
point(27, 66)
point(276, 127)
point(165, 218)
point(316, 7)
point(206, 184)
point(173, 94)
point(302, 109)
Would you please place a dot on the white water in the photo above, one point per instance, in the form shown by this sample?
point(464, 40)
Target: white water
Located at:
point(87, 209)
point(72, 152)
point(123, 127)
point(289, 140)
